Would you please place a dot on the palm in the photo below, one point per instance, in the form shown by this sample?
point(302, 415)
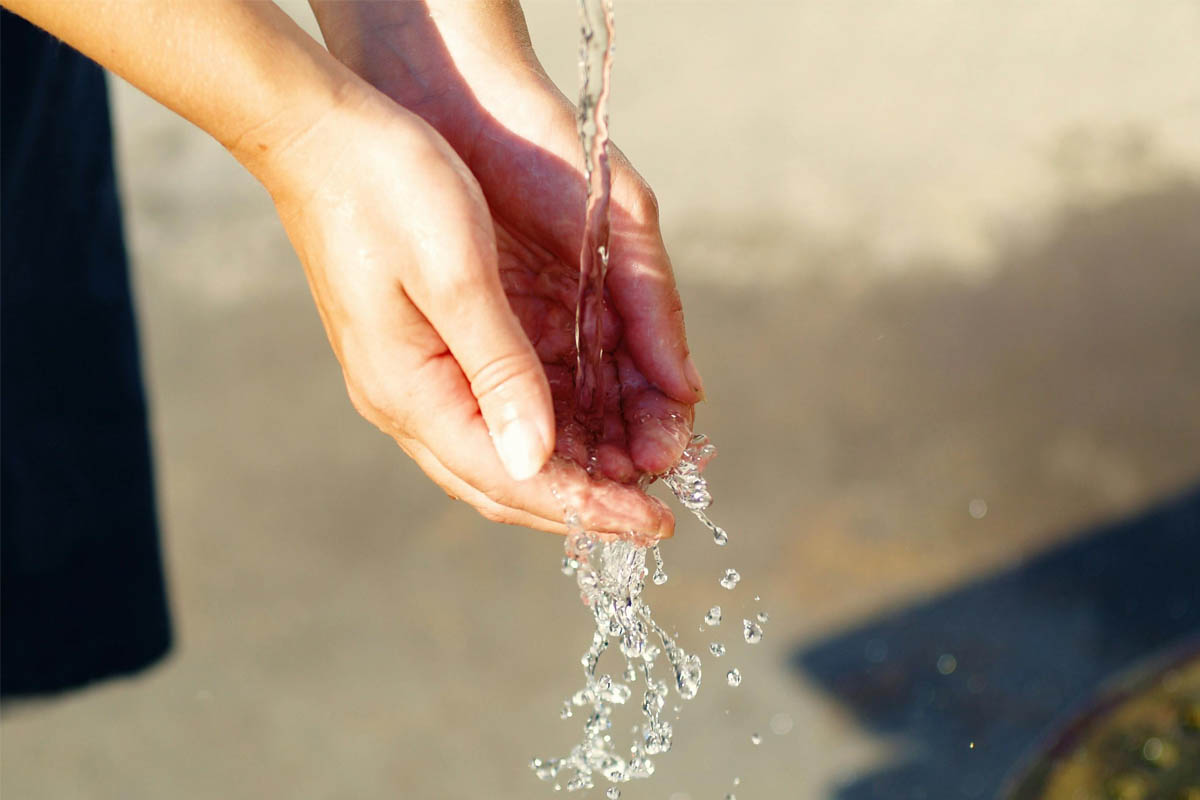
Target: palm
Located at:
point(642, 430)
point(536, 200)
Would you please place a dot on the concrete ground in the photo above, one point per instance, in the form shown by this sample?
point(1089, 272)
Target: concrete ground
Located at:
point(942, 271)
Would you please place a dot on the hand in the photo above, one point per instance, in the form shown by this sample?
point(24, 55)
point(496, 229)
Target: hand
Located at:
point(405, 265)
point(484, 91)
point(396, 238)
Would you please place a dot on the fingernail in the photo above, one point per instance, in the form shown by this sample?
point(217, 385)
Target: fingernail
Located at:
point(521, 449)
point(693, 376)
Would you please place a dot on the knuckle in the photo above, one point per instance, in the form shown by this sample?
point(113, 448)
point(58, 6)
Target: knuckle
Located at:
point(495, 376)
point(363, 401)
point(379, 404)
point(645, 207)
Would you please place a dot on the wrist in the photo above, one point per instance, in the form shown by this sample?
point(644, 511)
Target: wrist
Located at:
point(334, 148)
point(306, 90)
point(277, 144)
point(427, 55)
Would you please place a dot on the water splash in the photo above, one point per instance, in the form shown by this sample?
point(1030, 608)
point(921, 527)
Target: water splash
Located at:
point(611, 575)
point(691, 488)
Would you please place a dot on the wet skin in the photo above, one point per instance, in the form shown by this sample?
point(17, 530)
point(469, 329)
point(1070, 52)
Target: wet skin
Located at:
point(521, 208)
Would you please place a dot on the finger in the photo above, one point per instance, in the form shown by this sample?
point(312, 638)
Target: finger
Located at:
point(575, 442)
point(641, 284)
point(465, 303)
point(459, 489)
point(658, 426)
point(456, 435)
point(612, 452)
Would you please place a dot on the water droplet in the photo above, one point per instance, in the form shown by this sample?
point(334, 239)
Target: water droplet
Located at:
point(713, 617)
point(751, 632)
point(566, 712)
point(737, 781)
point(717, 649)
point(755, 739)
point(946, 663)
point(977, 508)
point(734, 677)
point(545, 769)
point(687, 677)
point(613, 793)
point(730, 578)
point(730, 796)
point(762, 617)
point(720, 537)
point(660, 575)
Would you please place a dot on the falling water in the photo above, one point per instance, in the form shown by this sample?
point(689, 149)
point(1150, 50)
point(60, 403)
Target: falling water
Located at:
point(611, 576)
point(595, 66)
point(611, 572)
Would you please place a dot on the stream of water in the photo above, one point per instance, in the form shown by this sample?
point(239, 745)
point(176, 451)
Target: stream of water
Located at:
point(611, 572)
point(595, 66)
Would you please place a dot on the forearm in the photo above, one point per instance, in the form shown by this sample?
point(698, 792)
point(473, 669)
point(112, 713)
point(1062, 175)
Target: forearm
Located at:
point(493, 27)
point(242, 71)
point(435, 57)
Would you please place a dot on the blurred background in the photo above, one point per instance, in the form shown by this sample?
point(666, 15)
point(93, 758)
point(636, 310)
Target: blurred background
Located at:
point(941, 267)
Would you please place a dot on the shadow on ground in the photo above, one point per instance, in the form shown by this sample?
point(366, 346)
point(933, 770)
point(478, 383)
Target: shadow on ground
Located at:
point(973, 678)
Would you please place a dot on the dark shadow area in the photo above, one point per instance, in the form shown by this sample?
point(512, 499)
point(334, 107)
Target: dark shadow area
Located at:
point(971, 680)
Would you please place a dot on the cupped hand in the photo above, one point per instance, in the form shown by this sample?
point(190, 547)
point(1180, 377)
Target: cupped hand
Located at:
point(516, 133)
point(417, 288)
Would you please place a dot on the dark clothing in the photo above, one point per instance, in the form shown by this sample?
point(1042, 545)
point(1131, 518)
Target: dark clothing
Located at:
point(81, 587)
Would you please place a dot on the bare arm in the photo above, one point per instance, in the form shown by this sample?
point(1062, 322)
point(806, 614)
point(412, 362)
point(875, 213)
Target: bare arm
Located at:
point(394, 233)
point(242, 71)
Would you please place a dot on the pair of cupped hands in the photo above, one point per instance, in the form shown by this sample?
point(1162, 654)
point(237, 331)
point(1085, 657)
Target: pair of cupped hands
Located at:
point(439, 218)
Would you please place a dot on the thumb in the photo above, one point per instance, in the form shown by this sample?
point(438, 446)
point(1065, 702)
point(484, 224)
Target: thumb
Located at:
point(472, 315)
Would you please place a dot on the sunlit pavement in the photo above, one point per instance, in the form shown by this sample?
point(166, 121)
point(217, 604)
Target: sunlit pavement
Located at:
point(944, 429)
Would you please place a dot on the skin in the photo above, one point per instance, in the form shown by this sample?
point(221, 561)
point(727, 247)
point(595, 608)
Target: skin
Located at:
point(429, 180)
